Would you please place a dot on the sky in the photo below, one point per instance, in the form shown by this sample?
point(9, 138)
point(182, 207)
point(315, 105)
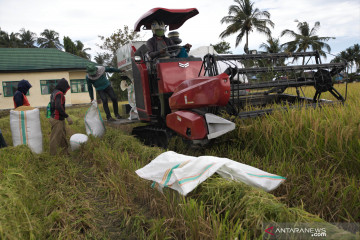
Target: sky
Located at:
point(84, 20)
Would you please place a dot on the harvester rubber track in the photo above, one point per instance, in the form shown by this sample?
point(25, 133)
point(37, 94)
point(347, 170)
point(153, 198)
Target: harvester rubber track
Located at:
point(153, 135)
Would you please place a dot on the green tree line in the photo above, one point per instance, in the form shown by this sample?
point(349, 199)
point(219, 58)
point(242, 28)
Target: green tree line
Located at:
point(47, 39)
point(242, 20)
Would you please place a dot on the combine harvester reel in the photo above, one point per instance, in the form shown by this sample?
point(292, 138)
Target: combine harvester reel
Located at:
point(266, 85)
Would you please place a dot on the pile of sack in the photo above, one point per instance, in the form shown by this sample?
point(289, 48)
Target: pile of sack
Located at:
point(26, 128)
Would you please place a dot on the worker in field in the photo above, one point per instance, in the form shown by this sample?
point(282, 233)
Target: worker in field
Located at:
point(96, 76)
point(20, 98)
point(158, 44)
point(58, 115)
point(183, 51)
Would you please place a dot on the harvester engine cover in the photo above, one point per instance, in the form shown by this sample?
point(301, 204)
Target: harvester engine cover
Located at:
point(201, 92)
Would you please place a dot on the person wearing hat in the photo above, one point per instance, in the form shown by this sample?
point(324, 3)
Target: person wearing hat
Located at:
point(158, 44)
point(58, 139)
point(184, 50)
point(20, 98)
point(96, 76)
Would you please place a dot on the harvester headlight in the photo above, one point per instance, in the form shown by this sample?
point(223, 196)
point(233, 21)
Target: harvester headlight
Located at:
point(137, 58)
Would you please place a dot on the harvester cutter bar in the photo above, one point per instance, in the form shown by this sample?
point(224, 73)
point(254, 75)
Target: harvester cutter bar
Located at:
point(262, 112)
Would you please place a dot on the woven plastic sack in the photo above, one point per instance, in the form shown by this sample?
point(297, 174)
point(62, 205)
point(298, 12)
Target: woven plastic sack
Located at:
point(93, 122)
point(131, 98)
point(26, 128)
point(77, 140)
point(184, 173)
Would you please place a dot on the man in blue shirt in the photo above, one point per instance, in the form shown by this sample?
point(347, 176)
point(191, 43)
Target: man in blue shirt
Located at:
point(183, 51)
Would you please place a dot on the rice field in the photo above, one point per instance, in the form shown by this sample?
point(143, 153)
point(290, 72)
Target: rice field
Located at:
point(94, 192)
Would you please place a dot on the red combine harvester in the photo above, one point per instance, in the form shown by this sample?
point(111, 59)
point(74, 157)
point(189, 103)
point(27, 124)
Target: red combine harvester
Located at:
point(169, 93)
point(182, 95)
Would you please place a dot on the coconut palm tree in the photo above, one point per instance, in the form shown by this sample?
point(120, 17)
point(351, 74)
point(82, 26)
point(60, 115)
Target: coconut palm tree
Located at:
point(306, 39)
point(9, 40)
point(27, 38)
point(273, 45)
point(243, 19)
point(351, 55)
point(81, 51)
point(49, 39)
point(76, 48)
point(103, 59)
point(222, 47)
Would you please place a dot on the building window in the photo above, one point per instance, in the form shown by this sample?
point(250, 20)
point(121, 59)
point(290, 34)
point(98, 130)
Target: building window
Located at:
point(9, 88)
point(78, 86)
point(48, 86)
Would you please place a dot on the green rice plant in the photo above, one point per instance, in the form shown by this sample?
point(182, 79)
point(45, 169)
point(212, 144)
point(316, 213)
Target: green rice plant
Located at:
point(17, 196)
point(192, 217)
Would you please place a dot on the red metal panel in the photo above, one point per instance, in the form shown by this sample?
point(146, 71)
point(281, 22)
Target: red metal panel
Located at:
point(188, 124)
point(172, 74)
point(175, 18)
point(146, 92)
point(201, 92)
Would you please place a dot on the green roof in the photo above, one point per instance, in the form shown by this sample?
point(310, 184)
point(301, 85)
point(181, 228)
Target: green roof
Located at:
point(39, 59)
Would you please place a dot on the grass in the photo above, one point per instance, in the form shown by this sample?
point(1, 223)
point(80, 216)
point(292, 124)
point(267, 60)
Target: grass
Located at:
point(316, 149)
point(95, 194)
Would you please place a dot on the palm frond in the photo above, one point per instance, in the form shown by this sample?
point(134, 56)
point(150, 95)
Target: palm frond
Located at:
point(243, 18)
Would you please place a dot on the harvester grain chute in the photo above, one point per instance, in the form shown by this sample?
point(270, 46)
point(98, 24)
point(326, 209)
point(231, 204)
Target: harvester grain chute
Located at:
point(183, 95)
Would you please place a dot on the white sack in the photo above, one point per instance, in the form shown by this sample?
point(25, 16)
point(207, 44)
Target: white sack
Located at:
point(184, 173)
point(26, 129)
point(93, 122)
point(131, 98)
point(76, 140)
